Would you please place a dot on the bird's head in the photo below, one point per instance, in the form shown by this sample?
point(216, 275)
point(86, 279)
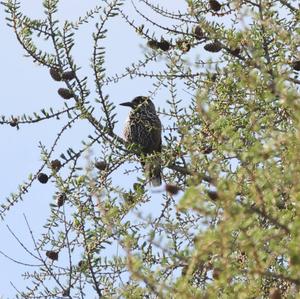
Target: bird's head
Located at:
point(140, 102)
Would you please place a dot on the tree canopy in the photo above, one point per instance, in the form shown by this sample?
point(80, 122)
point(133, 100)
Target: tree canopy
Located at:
point(224, 79)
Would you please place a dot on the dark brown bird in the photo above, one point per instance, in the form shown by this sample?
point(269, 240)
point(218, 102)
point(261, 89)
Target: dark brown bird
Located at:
point(143, 130)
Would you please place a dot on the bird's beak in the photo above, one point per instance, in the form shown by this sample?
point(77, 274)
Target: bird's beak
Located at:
point(129, 104)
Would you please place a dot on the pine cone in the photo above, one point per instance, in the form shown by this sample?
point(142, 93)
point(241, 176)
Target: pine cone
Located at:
point(153, 44)
point(55, 74)
point(65, 93)
point(13, 122)
point(43, 178)
point(213, 195)
point(56, 165)
point(236, 51)
point(296, 65)
point(52, 255)
point(101, 165)
point(198, 32)
point(60, 200)
point(275, 294)
point(216, 273)
point(213, 47)
point(164, 45)
point(214, 5)
point(68, 75)
point(66, 293)
point(172, 189)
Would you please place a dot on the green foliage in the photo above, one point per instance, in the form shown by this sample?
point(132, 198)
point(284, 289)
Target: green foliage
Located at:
point(231, 144)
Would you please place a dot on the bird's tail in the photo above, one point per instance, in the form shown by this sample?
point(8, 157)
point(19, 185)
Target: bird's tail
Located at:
point(153, 171)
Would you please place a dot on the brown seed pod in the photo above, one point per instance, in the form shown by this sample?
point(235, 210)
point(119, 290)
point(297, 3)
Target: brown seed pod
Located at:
point(68, 75)
point(81, 263)
point(199, 34)
point(55, 74)
point(296, 65)
point(172, 189)
point(164, 45)
point(213, 47)
point(56, 165)
point(65, 93)
point(207, 149)
point(53, 255)
point(214, 5)
point(43, 178)
point(275, 294)
point(216, 273)
point(66, 293)
point(60, 200)
point(101, 165)
point(13, 122)
point(213, 195)
point(153, 44)
point(236, 51)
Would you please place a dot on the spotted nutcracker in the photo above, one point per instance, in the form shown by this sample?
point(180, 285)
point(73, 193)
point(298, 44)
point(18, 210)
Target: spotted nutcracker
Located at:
point(143, 130)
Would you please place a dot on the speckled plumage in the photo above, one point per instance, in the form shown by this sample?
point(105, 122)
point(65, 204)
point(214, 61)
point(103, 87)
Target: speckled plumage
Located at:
point(143, 128)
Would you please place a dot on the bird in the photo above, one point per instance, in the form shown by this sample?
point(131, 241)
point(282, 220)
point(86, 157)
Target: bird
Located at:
point(142, 131)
